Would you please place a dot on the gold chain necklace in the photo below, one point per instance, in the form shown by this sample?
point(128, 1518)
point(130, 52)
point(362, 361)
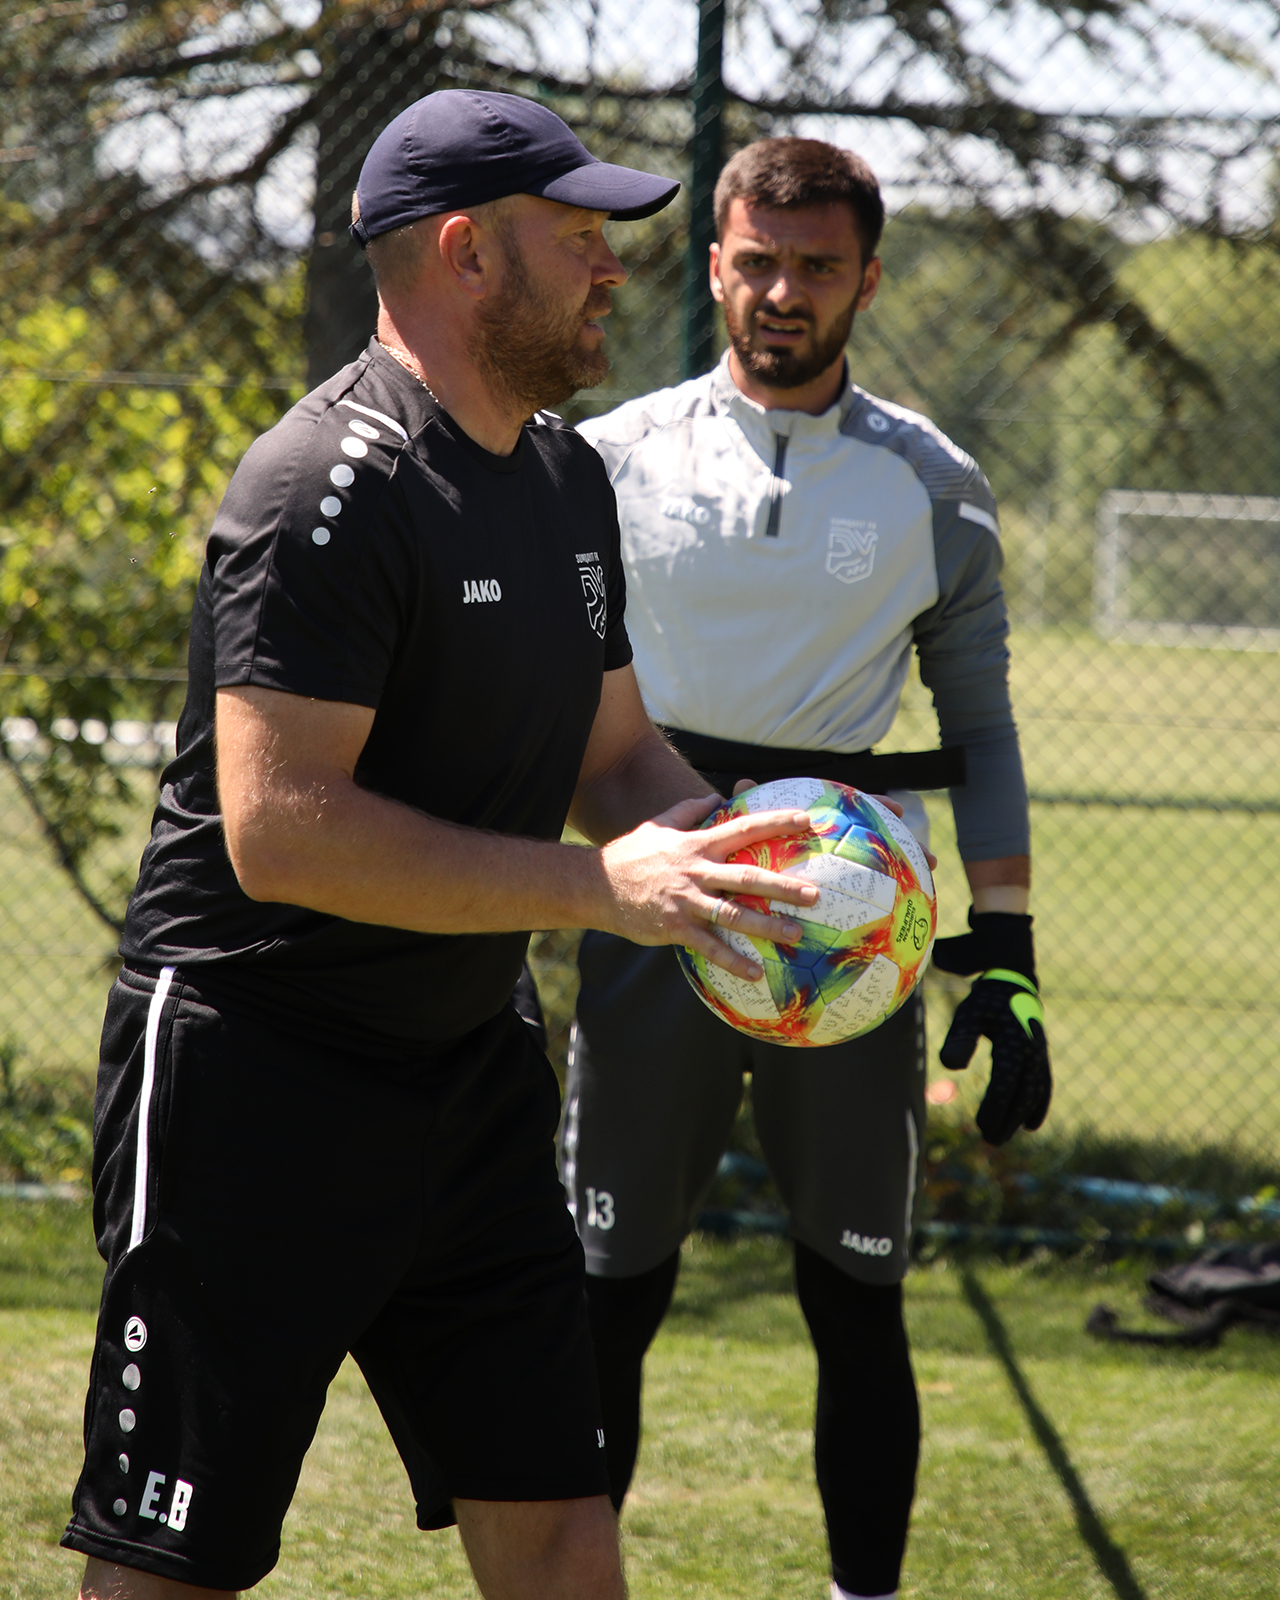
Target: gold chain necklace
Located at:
point(413, 371)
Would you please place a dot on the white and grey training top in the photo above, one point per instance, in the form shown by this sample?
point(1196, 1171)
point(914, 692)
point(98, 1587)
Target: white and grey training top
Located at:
point(780, 566)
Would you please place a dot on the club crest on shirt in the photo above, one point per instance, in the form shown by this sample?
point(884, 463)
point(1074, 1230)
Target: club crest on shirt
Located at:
point(591, 571)
point(851, 549)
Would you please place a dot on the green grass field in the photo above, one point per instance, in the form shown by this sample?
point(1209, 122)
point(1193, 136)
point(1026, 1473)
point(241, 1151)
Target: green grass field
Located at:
point(1054, 1468)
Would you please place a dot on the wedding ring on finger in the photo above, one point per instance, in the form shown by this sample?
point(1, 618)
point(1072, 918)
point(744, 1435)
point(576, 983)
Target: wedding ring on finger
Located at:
point(716, 909)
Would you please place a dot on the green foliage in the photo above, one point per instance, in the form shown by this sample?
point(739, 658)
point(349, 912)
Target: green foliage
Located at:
point(46, 1128)
point(10, 1050)
point(100, 544)
point(1057, 412)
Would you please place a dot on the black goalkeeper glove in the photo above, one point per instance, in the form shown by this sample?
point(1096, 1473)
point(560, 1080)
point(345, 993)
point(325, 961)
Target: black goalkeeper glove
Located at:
point(1004, 1006)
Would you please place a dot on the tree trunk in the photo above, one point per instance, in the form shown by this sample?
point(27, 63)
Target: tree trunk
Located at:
point(372, 74)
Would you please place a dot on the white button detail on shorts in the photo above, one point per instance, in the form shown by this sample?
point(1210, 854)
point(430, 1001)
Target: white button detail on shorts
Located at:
point(135, 1333)
point(319, 535)
point(120, 1507)
point(355, 447)
point(364, 430)
point(124, 1461)
point(131, 1377)
point(128, 1421)
point(342, 475)
point(330, 505)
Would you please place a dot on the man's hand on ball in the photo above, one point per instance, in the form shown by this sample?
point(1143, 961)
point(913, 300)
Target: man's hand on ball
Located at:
point(669, 881)
point(1004, 1006)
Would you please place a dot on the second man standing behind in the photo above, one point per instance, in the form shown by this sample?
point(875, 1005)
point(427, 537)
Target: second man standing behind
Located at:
point(773, 500)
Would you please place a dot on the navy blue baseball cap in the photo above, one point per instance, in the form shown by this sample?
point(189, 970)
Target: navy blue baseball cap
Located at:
point(461, 147)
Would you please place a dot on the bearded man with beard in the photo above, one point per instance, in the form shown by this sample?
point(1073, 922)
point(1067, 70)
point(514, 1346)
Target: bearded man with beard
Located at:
point(789, 539)
point(321, 1126)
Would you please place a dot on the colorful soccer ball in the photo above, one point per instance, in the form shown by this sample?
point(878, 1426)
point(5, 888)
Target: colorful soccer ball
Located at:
point(866, 939)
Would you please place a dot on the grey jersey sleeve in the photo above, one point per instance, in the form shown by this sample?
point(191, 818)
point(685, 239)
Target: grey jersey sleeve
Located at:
point(964, 662)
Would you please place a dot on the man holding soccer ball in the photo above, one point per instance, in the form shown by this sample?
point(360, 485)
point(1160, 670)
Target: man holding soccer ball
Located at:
point(788, 539)
point(321, 1127)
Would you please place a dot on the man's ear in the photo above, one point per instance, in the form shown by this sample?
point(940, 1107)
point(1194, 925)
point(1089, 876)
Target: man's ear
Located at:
point(870, 283)
point(713, 271)
point(467, 254)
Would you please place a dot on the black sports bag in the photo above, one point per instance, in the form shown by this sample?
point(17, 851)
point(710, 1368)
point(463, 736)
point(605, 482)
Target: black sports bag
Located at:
point(1235, 1283)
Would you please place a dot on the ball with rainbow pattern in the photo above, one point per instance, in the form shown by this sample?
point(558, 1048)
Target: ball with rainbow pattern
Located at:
point(865, 942)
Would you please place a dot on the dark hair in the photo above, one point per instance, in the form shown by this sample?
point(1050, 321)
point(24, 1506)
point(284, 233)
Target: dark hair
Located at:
point(789, 173)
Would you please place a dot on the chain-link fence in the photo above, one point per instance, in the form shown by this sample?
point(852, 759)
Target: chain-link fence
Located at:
point(1080, 287)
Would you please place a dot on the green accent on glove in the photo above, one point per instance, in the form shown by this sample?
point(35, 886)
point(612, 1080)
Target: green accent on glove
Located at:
point(1004, 975)
point(1025, 1007)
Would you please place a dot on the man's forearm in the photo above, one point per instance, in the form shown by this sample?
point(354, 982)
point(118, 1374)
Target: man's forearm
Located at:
point(341, 850)
point(1000, 885)
point(353, 854)
point(649, 779)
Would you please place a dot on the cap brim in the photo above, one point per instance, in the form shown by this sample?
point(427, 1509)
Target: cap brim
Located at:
point(623, 192)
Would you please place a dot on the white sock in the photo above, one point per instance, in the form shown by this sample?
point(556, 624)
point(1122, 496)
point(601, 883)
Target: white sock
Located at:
point(837, 1593)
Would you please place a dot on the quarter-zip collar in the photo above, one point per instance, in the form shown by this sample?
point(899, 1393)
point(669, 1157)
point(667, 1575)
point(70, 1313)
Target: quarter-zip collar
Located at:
point(764, 427)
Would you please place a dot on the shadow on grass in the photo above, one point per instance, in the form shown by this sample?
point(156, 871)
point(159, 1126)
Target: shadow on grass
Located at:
point(1112, 1562)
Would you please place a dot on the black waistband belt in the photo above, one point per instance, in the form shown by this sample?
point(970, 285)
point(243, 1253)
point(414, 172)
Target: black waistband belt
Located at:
point(722, 763)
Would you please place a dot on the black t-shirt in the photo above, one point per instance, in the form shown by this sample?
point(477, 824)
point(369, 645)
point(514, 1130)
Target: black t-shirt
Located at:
point(368, 551)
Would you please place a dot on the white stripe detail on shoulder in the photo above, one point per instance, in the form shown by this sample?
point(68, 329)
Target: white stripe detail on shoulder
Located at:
point(144, 1106)
point(984, 519)
point(379, 416)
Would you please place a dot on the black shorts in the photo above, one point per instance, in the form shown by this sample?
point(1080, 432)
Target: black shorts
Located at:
point(655, 1082)
point(285, 1205)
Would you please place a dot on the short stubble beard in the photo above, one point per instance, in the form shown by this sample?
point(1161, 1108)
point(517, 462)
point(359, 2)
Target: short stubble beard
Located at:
point(527, 346)
point(788, 369)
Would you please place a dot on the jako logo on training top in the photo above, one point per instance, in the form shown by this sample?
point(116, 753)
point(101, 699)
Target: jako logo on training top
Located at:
point(683, 509)
point(591, 571)
point(851, 549)
point(864, 1244)
point(474, 594)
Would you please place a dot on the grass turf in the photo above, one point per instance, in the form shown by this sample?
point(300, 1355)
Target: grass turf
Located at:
point(1053, 1466)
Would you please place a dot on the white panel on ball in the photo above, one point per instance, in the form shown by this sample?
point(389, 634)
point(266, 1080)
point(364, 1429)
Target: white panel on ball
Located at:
point(840, 911)
point(799, 792)
point(851, 878)
point(859, 1004)
point(754, 1000)
point(848, 877)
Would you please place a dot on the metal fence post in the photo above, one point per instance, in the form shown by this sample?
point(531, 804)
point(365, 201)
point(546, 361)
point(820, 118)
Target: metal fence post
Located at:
point(708, 124)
